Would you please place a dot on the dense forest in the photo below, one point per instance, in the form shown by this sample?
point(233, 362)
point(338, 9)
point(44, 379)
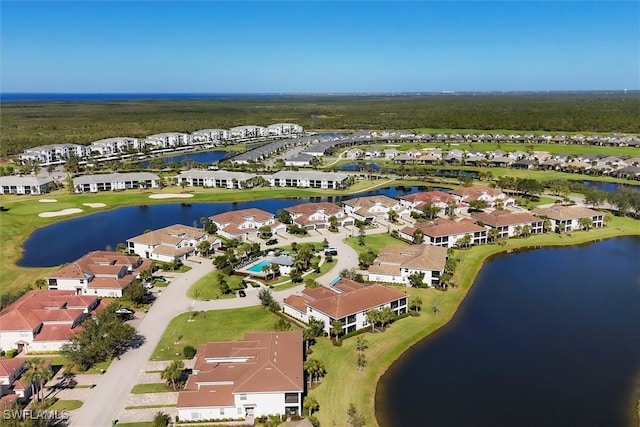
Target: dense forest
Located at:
point(27, 124)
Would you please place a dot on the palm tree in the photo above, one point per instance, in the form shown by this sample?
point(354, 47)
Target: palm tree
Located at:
point(373, 317)
point(336, 328)
point(517, 230)
point(585, 223)
point(266, 269)
point(415, 303)
point(37, 373)
point(161, 419)
point(310, 404)
point(173, 372)
point(492, 234)
point(386, 316)
point(526, 230)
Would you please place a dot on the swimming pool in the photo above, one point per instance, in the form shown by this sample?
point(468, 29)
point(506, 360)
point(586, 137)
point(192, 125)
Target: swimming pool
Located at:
point(258, 267)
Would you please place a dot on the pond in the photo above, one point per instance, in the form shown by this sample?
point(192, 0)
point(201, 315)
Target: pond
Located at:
point(610, 187)
point(68, 240)
point(203, 157)
point(355, 166)
point(546, 337)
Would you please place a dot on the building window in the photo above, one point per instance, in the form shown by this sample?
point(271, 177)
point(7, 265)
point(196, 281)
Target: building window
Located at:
point(243, 397)
point(221, 411)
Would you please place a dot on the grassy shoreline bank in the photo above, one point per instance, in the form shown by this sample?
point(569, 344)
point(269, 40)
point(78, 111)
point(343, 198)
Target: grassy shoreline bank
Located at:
point(385, 348)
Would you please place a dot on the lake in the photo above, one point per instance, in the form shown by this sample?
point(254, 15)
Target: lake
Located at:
point(610, 187)
point(68, 240)
point(203, 157)
point(546, 337)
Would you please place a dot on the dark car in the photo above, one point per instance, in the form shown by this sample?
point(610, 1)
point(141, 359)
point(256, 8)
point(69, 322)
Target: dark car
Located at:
point(271, 242)
point(241, 293)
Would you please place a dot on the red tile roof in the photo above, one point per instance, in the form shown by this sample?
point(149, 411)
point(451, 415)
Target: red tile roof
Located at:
point(36, 307)
point(444, 227)
point(111, 267)
point(240, 216)
point(429, 197)
point(263, 362)
point(500, 218)
point(362, 299)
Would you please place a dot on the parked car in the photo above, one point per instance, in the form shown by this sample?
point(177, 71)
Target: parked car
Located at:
point(125, 311)
point(331, 251)
point(148, 285)
point(242, 293)
point(271, 242)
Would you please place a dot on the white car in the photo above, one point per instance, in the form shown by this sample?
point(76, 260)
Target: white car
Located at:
point(148, 285)
point(125, 311)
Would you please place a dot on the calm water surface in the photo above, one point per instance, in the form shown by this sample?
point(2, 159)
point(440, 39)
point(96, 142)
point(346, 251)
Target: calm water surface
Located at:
point(68, 240)
point(548, 337)
point(204, 157)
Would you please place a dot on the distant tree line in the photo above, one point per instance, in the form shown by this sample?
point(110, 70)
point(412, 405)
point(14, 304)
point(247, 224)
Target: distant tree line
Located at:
point(29, 124)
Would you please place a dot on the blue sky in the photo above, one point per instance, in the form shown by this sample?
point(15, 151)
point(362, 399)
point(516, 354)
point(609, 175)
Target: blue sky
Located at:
point(305, 47)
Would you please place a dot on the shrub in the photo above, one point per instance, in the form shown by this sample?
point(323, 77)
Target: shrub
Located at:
point(11, 353)
point(188, 352)
point(313, 420)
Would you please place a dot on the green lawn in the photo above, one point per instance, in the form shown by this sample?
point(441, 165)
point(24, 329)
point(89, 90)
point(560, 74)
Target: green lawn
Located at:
point(207, 287)
point(376, 242)
point(141, 424)
point(217, 325)
point(65, 405)
point(150, 388)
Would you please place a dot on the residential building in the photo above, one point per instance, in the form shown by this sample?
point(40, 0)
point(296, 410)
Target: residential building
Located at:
point(307, 179)
point(99, 273)
point(567, 218)
point(209, 135)
point(170, 244)
point(261, 375)
point(373, 208)
point(248, 131)
point(396, 263)
point(508, 223)
point(284, 129)
point(216, 178)
point(244, 224)
point(438, 199)
point(115, 181)
point(492, 196)
point(346, 301)
point(54, 153)
point(43, 320)
point(117, 145)
point(316, 215)
point(446, 233)
point(14, 389)
point(167, 140)
point(13, 184)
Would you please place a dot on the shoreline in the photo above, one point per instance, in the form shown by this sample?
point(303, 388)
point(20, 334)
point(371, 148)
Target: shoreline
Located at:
point(471, 273)
point(471, 262)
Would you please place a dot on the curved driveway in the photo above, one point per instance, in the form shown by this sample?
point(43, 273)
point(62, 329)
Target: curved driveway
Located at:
point(109, 398)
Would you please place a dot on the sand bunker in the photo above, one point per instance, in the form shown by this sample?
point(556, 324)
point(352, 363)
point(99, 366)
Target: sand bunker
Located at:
point(47, 200)
point(170, 196)
point(60, 213)
point(94, 205)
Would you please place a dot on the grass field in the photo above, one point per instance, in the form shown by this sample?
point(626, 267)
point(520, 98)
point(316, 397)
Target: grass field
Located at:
point(150, 388)
point(218, 325)
point(65, 405)
point(376, 242)
point(207, 287)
